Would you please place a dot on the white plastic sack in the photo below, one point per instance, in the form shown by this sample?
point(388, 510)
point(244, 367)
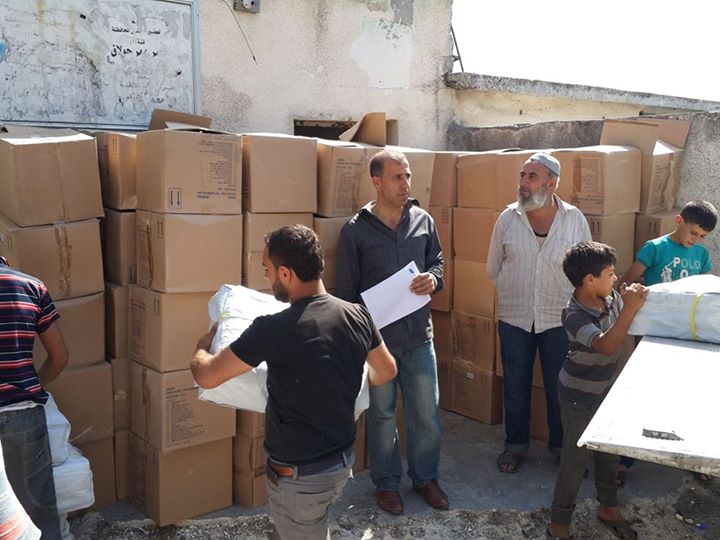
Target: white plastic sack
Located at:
point(234, 308)
point(73, 482)
point(65, 533)
point(58, 432)
point(688, 308)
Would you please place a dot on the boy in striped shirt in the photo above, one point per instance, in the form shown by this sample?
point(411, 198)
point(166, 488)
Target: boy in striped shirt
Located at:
point(26, 309)
point(596, 320)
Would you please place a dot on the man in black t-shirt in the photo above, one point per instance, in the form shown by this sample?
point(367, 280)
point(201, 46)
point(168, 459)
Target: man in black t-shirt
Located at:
point(315, 352)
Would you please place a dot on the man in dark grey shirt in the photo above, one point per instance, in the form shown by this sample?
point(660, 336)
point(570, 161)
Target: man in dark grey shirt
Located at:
point(379, 240)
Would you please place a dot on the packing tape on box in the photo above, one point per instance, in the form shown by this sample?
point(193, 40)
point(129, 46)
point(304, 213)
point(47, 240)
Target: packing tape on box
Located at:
point(65, 258)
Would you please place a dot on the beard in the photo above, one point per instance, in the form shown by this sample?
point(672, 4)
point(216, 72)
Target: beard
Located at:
point(534, 201)
point(279, 292)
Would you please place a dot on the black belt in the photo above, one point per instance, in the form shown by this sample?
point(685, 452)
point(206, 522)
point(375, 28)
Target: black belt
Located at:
point(314, 467)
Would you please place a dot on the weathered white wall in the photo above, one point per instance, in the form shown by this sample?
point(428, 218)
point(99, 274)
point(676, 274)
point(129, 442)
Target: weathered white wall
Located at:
point(329, 60)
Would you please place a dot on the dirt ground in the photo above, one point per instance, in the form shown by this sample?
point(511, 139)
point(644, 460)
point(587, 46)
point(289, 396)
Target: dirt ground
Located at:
point(692, 512)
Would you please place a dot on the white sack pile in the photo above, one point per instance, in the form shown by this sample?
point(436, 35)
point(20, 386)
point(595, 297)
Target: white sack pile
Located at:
point(688, 308)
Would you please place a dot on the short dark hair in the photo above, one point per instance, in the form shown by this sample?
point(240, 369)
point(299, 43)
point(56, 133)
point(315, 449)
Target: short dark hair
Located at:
point(377, 163)
point(587, 258)
point(298, 248)
point(700, 213)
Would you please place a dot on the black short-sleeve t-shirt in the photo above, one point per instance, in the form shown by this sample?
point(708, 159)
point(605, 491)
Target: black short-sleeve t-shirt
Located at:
point(315, 351)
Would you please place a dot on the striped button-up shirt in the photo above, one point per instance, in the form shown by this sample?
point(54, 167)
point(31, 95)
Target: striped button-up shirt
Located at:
point(532, 287)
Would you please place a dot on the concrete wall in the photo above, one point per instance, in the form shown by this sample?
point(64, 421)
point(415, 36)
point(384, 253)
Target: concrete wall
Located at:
point(699, 174)
point(329, 60)
point(485, 100)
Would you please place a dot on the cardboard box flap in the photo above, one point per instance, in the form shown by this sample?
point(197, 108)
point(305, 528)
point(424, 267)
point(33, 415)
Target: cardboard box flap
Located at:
point(640, 134)
point(15, 130)
point(674, 132)
point(370, 129)
point(180, 126)
point(161, 118)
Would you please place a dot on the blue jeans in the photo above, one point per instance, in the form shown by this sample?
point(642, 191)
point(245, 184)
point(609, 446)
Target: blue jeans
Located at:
point(417, 377)
point(28, 463)
point(518, 349)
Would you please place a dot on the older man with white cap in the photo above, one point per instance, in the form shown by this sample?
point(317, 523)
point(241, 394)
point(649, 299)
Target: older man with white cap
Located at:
point(527, 247)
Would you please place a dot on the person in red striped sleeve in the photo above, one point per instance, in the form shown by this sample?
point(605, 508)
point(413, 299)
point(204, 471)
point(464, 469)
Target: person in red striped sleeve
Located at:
point(26, 309)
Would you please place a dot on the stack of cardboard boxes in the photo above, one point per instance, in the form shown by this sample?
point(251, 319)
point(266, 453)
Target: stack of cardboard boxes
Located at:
point(189, 241)
point(117, 160)
point(49, 229)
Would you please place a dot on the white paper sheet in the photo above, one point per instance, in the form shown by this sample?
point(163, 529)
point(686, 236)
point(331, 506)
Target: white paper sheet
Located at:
point(392, 299)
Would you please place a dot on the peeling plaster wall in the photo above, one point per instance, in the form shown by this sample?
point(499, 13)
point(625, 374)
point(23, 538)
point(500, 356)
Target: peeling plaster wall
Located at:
point(329, 60)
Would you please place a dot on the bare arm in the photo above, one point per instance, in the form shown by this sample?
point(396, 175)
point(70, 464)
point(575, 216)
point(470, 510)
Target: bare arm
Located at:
point(609, 342)
point(381, 366)
point(634, 274)
point(57, 354)
point(212, 370)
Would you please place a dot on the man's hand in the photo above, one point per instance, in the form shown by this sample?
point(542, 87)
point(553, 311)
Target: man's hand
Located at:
point(633, 296)
point(205, 340)
point(423, 284)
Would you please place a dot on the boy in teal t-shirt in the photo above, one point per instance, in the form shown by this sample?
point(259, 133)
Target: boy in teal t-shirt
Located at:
point(678, 254)
point(672, 257)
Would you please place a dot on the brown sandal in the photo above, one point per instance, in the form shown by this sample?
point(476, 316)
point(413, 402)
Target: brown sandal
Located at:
point(621, 528)
point(509, 462)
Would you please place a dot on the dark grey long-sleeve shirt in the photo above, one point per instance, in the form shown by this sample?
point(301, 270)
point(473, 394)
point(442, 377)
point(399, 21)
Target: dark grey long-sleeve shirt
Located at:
point(369, 252)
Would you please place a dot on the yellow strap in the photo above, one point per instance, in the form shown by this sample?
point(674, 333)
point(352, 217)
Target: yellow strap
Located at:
point(692, 316)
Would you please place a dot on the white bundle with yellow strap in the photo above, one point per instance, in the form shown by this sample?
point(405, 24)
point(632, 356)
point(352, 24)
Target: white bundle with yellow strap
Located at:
point(234, 308)
point(688, 308)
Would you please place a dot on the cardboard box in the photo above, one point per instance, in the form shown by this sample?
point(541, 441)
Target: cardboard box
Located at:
point(101, 454)
point(443, 218)
point(121, 392)
point(444, 371)
point(48, 176)
point(249, 454)
point(188, 253)
point(443, 340)
point(472, 229)
point(476, 176)
point(251, 424)
point(649, 226)
point(66, 256)
point(442, 301)
point(165, 410)
point(661, 142)
point(119, 245)
point(255, 227)
point(189, 172)
point(279, 173)
point(328, 231)
point(85, 397)
point(474, 339)
point(474, 291)
point(476, 393)
point(421, 166)
point(538, 415)
point(82, 323)
point(249, 488)
point(122, 451)
point(342, 167)
point(605, 179)
point(165, 327)
point(172, 486)
point(619, 232)
point(116, 320)
point(444, 188)
point(117, 157)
